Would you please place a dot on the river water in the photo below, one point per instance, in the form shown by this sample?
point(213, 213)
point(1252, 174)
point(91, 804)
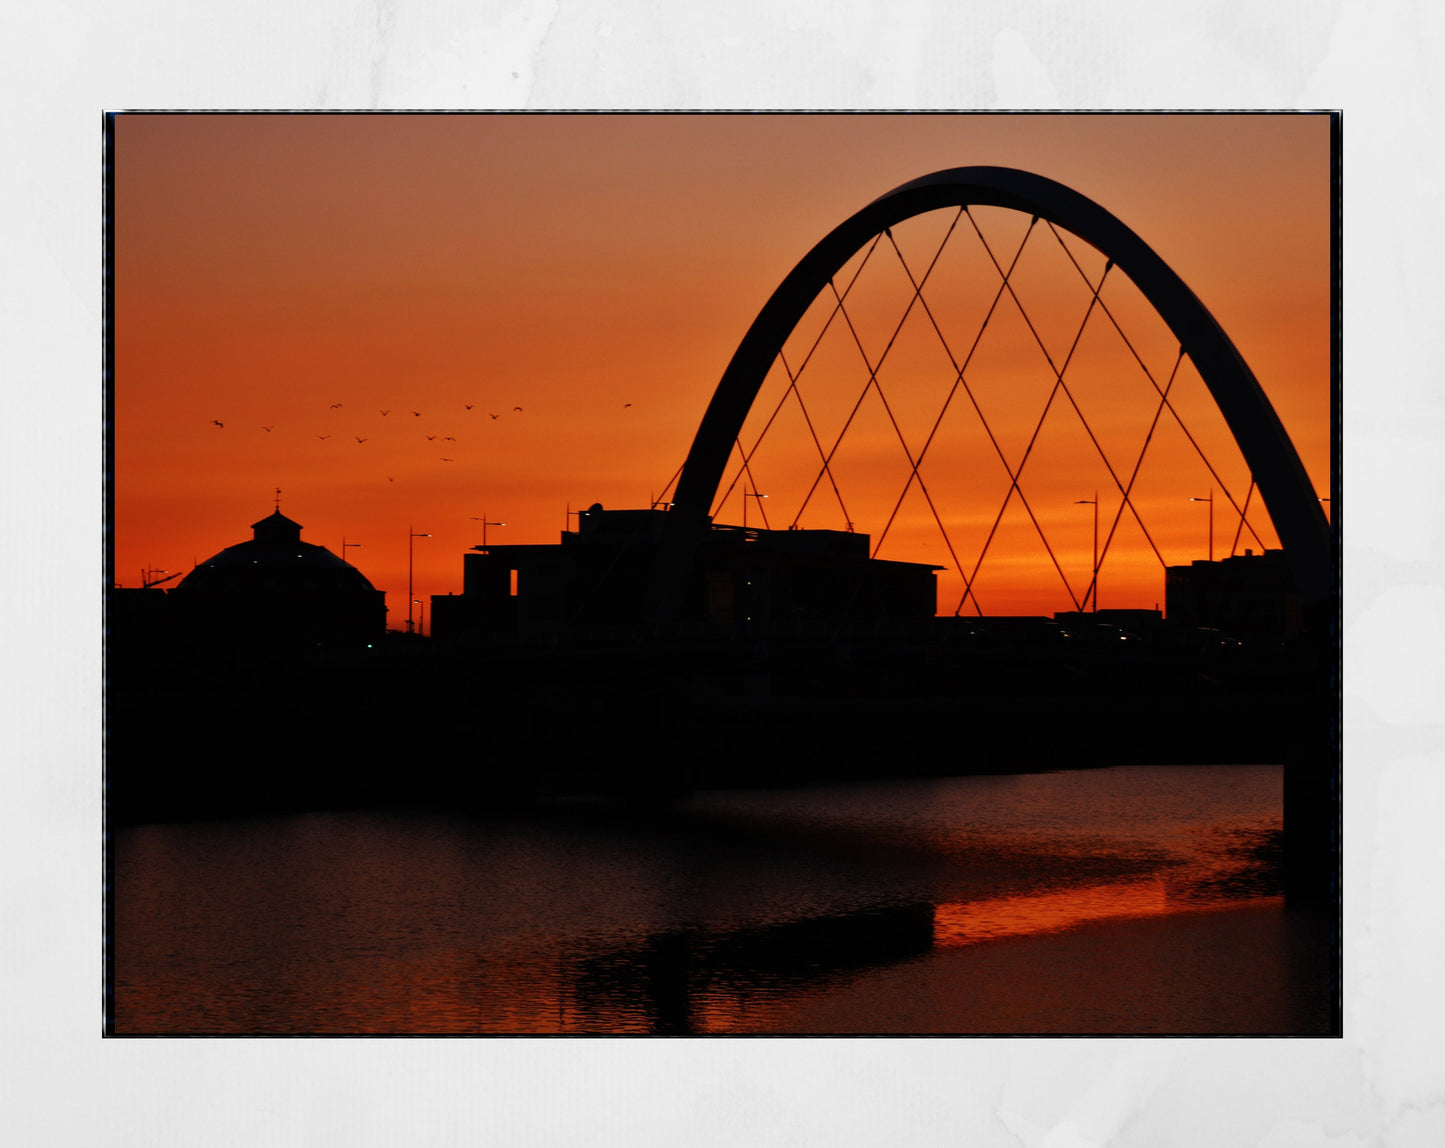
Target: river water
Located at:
point(1124, 900)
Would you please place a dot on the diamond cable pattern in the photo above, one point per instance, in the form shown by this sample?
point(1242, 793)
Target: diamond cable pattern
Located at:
point(960, 369)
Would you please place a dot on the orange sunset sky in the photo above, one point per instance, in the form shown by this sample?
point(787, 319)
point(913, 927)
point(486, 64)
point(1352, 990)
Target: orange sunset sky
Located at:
point(599, 271)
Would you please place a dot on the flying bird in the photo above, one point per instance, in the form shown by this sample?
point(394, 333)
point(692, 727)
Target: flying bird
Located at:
point(448, 438)
point(494, 416)
point(386, 412)
point(417, 413)
point(626, 405)
point(449, 460)
point(469, 406)
point(266, 428)
point(390, 479)
point(335, 405)
point(218, 422)
point(516, 408)
point(430, 437)
point(358, 438)
point(323, 437)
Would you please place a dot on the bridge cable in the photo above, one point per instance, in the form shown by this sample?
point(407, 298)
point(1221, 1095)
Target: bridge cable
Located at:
point(1033, 439)
point(806, 359)
point(977, 338)
point(1149, 375)
point(873, 382)
point(873, 374)
point(663, 496)
point(854, 412)
point(960, 380)
point(1148, 438)
point(793, 385)
point(749, 470)
point(1238, 530)
point(1069, 394)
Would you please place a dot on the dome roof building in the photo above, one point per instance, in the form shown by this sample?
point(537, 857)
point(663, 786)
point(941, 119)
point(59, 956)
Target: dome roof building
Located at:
point(279, 592)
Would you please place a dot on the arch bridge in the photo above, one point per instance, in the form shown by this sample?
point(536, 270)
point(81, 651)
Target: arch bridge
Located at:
point(1303, 530)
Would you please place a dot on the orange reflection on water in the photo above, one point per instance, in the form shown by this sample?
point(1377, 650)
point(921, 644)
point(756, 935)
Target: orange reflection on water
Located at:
point(454, 992)
point(967, 923)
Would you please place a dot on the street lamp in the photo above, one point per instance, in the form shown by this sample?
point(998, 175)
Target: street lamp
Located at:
point(485, 524)
point(345, 544)
point(411, 537)
point(421, 617)
point(1094, 585)
point(1209, 500)
point(747, 494)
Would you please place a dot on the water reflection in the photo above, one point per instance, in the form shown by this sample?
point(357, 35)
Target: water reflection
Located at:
point(737, 913)
point(690, 981)
point(687, 981)
point(969, 923)
point(1231, 864)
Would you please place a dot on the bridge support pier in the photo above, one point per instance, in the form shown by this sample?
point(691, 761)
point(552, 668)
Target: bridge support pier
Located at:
point(1311, 823)
point(1312, 847)
point(1312, 768)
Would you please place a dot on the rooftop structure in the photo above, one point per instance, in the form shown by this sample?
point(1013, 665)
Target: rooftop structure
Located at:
point(277, 591)
point(1248, 595)
point(598, 578)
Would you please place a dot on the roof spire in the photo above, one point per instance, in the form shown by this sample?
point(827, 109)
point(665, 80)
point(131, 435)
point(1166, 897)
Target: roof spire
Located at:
point(276, 529)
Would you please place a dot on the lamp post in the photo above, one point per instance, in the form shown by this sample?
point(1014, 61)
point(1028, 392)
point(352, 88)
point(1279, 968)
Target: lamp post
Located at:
point(747, 494)
point(411, 537)
point(1209, 500)
point(345, 544)
point(1094, 585)
point(485, 524)
point(421, 617)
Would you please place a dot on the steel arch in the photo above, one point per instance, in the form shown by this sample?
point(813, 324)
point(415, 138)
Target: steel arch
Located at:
point(1299, 520)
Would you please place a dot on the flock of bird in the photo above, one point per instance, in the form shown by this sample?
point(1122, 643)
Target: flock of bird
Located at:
point(362, 439)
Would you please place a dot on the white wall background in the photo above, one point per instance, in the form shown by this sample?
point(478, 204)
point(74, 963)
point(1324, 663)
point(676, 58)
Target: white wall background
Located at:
point(64, 63)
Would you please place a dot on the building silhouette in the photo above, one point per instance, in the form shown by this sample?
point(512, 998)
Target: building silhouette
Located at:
point(597, 579)
point(1248, 595)
point(275, 593)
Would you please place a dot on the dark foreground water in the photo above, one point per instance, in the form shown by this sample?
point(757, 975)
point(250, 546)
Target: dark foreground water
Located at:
point(1131, 900)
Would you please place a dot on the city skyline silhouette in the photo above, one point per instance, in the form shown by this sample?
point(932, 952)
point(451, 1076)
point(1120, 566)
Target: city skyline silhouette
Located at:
point(554, 357)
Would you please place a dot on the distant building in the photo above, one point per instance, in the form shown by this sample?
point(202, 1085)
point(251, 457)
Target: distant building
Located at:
point(137, 620)
point(1249, 595)
point(1144, 623)
point(276, 592)
point(598, 578)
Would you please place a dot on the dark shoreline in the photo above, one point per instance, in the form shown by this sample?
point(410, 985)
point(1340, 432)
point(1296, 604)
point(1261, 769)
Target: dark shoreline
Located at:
point(447, 726)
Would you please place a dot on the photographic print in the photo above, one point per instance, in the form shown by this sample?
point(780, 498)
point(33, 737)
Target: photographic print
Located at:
point(723, 574)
